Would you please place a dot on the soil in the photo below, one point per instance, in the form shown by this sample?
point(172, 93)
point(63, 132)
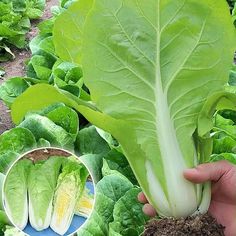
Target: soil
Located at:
point(200, 225)
point(17, 66)
point(45, 153)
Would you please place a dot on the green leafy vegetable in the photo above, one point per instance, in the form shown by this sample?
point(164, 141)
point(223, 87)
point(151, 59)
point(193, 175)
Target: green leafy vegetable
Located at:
point(42, 127)
point(15, 193)
point(93, 148)
point(94, 163)
point(17, 140)
point(13, 143)
point(116, 161)
point(108, 191)
point(224, 136)
point(84, 205)
point(42, 183)
point(129, 218)
point(15, 23)
point(154, 88)
point(39, 67)
point(2, 177)
point(109, 139)
point(11, 89)
point(66, 118)
point(70, 187)
point(35, 8)
point(90, 142)
point(67, 73)
point(11, 231)
point(231, 157)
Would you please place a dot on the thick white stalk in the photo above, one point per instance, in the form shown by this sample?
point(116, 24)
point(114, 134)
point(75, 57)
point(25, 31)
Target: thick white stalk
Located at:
point(40, 223)
point(181, 194)
point(20, 224)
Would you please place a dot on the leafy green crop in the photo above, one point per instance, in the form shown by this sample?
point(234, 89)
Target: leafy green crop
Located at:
point(91, 141)
point(62, 61)
point(128, 222)
point(13, 143)
point(42, 127)
point(11, 89)
point(106, 199)
point(45, 191)
point(70, 187)
point(11, 231)
point(57, 125)
point(224, 138)
point(154, 88)
point(15, 19)
point(15, 192)
point(42, 182)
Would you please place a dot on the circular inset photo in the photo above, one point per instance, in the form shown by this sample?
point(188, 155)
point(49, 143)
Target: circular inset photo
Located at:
point(48, 191)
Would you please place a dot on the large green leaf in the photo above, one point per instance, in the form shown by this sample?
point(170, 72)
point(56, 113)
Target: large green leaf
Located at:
point(154, 80)
point(108, 191)
point(151, 68)
point(90, 142)
point(43, 127)
point(13, 143)
point(129, 218)
point(12, 88)
point(75, 17)
point(66, 118)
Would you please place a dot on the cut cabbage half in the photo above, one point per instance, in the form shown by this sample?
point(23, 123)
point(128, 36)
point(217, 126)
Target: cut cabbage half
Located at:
point(84, 205)
point(70, 187)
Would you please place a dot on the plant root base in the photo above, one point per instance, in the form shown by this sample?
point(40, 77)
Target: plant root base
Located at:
point(200, 225)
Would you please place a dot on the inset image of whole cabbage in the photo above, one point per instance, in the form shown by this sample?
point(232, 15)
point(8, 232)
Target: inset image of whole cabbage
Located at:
point(48, 193)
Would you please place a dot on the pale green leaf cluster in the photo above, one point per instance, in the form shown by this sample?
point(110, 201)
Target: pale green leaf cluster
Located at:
point(154, 88)
point(15, 23)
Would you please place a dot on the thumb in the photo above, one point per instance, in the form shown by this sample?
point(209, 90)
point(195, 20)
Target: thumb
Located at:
point(207, 172)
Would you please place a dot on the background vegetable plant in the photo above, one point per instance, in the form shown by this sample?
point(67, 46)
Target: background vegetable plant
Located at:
point(15, 23)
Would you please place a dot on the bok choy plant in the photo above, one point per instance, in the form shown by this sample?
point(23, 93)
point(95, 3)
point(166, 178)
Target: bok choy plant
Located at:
point(156, 72)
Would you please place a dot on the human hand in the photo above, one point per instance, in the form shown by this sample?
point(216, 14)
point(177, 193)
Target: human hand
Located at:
point(222, 174)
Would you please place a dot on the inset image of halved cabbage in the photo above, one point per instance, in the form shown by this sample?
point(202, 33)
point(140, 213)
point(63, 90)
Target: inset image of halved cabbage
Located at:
point(48, 194)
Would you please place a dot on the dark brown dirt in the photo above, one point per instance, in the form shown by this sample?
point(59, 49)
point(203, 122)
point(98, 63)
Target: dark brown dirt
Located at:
point(17, 66)
point(45, 153)
point(201, 225)
point(5, 121)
